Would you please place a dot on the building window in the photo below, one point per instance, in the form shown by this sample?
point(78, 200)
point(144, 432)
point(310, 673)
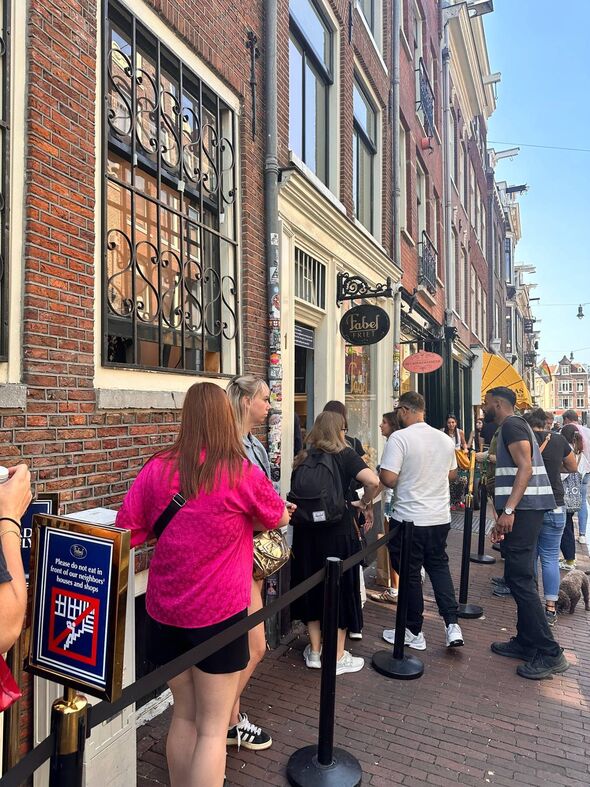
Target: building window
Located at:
point(310, 77)
point(472, 196)
point(310, 279)
point(460, 283)
point(565, 386)
point(4, 174)
point(565, 370)
point(508, 260)
point(484, 224)
point(367, 8)
point(473, 301)
point(364, 141)
point(454, 149)
point(420, 202)
point(580, 402)
point(170, 250)
point(509, 324)
point(403, 180)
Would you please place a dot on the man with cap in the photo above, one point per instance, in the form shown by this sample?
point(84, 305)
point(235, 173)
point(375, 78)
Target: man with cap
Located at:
point(522, 495)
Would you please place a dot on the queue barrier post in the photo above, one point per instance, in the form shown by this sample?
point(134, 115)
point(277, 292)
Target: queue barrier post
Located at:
point(324, 765)
point(399, 664)
point(466, 610)
point(69, 721)
point(481, 556)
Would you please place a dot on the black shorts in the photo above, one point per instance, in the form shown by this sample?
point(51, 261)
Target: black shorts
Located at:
point(165, 643)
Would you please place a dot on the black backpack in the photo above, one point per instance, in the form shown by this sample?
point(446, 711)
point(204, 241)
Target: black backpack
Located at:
point(316, 489)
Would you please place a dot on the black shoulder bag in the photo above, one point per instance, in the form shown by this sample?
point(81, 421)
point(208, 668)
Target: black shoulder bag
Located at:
point(168, 513)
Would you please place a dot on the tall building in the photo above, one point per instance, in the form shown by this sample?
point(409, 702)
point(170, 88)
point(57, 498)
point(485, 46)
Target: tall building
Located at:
point(571, 382)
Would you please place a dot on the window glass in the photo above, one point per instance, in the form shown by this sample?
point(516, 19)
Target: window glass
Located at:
point(314, 28)
point(364, 151)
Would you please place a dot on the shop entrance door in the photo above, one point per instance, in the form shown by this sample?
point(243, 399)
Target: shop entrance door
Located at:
point(304, 376)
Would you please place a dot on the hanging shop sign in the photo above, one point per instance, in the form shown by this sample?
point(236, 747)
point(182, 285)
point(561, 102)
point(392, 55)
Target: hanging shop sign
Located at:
point(79, 575)
point(423, 362)
point(364, 324)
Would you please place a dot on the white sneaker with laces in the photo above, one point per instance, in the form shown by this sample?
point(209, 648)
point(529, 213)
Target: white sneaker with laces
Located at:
point(454, 635)
point(582, 540)
point(416, 641)
point(312, 659)
point(349, 663)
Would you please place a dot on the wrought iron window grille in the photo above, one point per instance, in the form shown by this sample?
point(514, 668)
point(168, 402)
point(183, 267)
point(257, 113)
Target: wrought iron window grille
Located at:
point(428, 261)
point(170, 299)
point(426, 98)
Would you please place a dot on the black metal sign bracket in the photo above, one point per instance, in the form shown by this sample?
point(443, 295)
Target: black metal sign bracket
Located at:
point(350, 288)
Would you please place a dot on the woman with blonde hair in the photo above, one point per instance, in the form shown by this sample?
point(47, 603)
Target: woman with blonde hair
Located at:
point(250, 400)
point(201, 572)
point(319, 535)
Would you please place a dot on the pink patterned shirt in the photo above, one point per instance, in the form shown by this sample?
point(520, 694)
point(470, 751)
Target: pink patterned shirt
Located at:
point(201, 570)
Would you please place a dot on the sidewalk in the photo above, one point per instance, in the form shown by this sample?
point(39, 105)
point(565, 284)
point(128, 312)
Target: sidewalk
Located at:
point(469, 720)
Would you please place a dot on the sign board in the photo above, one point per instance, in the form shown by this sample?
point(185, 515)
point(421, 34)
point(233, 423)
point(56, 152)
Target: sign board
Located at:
point(423, 362)
point(304, 336)
point(78, 596)
point(364, 324)
point(528, 325)
point(43, 504)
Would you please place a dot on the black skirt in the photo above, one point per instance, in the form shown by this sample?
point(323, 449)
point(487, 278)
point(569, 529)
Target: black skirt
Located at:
point(311, 547)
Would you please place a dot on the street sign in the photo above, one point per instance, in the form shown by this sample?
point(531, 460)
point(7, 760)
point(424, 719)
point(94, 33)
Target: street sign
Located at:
point(364, 324)
point(42, 504)
point(79, 589)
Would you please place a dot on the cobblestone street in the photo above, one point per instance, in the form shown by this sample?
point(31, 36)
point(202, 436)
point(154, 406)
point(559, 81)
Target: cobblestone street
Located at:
point(469, 720)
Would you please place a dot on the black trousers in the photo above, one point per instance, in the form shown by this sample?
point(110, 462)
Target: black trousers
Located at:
point(520, 551)
point(429, 549)
point(568, 538)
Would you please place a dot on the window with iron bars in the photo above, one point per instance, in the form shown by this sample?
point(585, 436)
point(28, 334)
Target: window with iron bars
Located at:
point(170, 291)
point(310, 279)
point(4, 172)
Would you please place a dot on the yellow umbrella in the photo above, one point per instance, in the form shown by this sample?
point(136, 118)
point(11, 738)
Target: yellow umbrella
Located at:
point(497, 371)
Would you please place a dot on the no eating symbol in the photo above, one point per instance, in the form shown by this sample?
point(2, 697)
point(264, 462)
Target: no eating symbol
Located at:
point(73, 626)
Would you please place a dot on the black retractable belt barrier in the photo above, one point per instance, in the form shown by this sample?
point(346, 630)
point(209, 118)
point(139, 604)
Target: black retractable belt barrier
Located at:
point(323, 765)
point(467, 610)
point(481, 556)
point(398, 664)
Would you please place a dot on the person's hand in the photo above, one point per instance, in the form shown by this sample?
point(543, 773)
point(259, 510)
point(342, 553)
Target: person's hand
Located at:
point(496, 536)
point(505, 523)
point(15, 494)
point(291, 508)
point(369, 519)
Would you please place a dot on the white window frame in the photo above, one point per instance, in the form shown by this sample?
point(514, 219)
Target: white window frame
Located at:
point(403, 178)
point(377, 162)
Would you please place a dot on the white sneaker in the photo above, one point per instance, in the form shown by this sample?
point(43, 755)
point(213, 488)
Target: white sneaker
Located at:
point(312, 659)
point(416, 641)
point(564, 566)
point(422, 574)
point(349, 663)
point(582, 540)
point(454, 635)
point(355, 634)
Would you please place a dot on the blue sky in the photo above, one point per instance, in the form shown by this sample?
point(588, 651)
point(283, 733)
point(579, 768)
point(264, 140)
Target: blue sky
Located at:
point(541, 47)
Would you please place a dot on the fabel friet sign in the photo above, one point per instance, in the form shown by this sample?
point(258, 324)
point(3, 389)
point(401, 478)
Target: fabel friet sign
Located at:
point(364, 324)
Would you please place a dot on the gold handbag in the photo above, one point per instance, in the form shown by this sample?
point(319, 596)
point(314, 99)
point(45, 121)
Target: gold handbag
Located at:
point(271, 552)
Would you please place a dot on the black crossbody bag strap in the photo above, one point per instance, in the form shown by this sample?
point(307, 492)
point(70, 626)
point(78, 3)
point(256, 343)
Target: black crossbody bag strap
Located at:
point(168, 513)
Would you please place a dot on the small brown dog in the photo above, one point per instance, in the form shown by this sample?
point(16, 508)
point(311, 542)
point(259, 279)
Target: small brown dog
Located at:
point(572, 587)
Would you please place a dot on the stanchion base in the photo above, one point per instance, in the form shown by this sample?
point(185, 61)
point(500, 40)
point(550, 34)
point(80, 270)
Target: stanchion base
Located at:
point(304, 770)
point(406, 668)
point(482, 559)
point(470, 611)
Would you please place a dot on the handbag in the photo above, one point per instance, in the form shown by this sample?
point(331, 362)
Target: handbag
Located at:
point(9, 690)
point(572, 492)
point(462, 459)
point(271, 552)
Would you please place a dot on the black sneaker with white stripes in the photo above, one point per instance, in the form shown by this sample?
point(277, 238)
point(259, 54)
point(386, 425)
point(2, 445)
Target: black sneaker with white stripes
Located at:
point(248, 735)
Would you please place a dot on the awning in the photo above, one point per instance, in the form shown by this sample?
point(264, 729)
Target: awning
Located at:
point(497, 371)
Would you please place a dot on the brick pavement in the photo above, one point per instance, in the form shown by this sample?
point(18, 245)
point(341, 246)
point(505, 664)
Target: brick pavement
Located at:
point(469, 720)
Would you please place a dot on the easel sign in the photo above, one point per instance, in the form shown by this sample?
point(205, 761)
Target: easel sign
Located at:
point(78, 595)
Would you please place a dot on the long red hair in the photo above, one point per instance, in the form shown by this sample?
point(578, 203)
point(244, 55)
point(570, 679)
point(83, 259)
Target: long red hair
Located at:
point(208, 442)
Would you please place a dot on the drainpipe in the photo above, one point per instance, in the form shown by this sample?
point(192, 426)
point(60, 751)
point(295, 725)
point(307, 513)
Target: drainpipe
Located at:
point(448, 383)
point(271, 212)
point(395, 153)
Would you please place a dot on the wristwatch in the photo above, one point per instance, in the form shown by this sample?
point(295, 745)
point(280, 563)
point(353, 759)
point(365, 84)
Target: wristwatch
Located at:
point(508, 511)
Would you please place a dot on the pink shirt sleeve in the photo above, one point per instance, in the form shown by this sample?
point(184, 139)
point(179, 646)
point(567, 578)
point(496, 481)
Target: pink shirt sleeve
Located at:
point(260, 500)
point(137, 512)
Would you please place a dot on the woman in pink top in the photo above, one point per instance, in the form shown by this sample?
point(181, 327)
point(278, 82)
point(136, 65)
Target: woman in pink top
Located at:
point(201, 571)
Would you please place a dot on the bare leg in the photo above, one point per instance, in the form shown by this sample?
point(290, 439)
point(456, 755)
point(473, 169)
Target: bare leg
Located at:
point(315, 635)
point(341, 641)
point(394, 579)
point(182, 735)
point(257, 645)
point(214, 697)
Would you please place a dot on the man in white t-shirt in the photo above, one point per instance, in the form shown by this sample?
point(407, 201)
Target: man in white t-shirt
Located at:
point(419, 462)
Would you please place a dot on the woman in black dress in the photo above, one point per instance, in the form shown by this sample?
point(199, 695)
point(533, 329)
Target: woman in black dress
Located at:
point(312, 544)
